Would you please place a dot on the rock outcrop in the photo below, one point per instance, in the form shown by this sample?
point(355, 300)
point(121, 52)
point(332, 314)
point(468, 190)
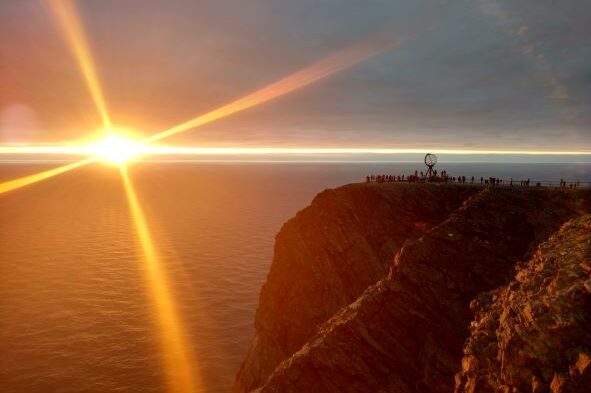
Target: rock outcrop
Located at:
point(329, 254)
point(404, 332)
point(534, 335)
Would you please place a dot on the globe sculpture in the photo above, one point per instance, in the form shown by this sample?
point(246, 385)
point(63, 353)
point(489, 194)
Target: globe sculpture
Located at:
point(430, 161)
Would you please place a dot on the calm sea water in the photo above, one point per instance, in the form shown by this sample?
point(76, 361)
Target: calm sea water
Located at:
point(74, 313)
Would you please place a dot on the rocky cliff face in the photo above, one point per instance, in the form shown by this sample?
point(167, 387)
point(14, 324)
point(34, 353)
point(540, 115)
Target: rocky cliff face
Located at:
point(404, 331)
point(329, 254)
point(534, 335)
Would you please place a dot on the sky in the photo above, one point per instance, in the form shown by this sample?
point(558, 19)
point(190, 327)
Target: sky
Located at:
point(469, 74)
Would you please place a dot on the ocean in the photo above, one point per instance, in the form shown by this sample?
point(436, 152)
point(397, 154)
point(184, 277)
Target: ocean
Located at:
point(74, 311)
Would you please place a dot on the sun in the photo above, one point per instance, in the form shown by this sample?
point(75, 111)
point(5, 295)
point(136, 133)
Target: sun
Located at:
point(116, 149)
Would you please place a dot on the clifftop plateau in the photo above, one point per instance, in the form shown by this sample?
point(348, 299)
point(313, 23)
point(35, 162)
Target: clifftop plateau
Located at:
point(371, 285)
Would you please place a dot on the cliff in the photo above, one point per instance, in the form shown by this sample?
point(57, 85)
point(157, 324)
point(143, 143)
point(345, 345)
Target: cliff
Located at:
point(332, 319)
point(534, 335)
point(329, 254)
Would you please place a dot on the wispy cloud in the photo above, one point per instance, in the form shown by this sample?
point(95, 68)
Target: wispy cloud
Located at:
point(488, 73)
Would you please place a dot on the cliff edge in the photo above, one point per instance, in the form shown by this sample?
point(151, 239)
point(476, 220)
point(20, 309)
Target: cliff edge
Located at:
point(370, 287)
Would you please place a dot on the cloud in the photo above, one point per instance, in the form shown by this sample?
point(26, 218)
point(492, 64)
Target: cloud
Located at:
point(484, 72)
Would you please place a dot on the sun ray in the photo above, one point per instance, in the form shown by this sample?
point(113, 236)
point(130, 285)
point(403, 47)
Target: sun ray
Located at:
point(34, 178)
point(179, 364)
point(322, 69)
point(67, 17)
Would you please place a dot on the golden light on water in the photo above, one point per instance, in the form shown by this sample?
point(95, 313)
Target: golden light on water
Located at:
point(178, 363)
point(180, 366)
point(67, 18)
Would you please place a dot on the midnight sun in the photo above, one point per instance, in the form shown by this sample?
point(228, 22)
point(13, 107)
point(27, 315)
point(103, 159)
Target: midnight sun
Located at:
point(116, 149)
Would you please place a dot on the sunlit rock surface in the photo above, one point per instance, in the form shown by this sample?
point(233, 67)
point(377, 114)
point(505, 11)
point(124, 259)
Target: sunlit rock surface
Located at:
point(332, 319)
point(534, 335)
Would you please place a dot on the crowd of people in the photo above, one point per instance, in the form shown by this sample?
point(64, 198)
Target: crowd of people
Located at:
point(564, 184)
point(421, 177)
point(443, 177)
point(417, 177)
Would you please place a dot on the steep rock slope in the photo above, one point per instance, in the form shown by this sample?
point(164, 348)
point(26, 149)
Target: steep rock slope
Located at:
point(534, 335)
point(329, 254)
point(405, 333)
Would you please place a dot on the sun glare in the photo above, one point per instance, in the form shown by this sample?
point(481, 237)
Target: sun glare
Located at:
point(117, 150)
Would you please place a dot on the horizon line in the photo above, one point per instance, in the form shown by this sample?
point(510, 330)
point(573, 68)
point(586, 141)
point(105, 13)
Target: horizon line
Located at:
point(149, 150)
